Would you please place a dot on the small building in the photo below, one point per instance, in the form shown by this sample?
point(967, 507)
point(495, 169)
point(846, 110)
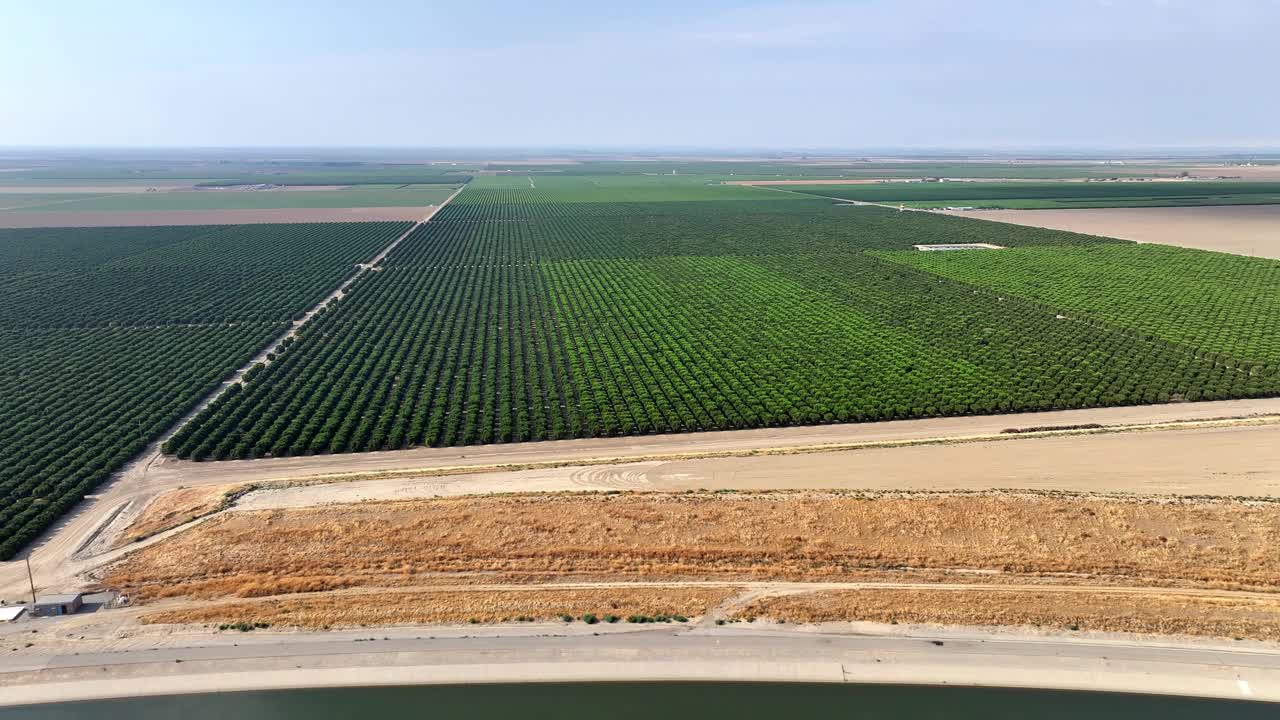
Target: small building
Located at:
point(11, 613)
point(55, 605)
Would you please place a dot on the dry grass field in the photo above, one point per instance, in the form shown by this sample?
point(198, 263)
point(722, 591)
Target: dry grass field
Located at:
point(1093, 610)
point(455, 607)
point(722, 537)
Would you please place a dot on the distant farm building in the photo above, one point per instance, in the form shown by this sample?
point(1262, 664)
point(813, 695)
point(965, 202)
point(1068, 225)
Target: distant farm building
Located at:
point(55, 605)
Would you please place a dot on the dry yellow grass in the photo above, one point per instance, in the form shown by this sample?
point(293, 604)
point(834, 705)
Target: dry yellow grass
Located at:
point(452, 607)
point(173, 509)
point(1099, 611)
point(783, 536)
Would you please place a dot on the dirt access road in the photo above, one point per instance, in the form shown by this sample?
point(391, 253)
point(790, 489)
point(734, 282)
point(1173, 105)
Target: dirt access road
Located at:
point(1238, 229)
point(873, 443)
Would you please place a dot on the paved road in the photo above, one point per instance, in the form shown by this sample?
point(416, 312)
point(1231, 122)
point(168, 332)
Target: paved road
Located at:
point(737, 653)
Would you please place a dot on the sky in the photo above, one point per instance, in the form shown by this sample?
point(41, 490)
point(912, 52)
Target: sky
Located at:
point(998, 74)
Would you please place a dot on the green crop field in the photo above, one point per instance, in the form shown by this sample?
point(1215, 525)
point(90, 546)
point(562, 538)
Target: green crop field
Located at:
point(109, 335)
point(353, 174)
point(1033, 195)
point(19, 201)
point(589, 306)
point(796, 168)
point(418, 196)
point(1217, 303)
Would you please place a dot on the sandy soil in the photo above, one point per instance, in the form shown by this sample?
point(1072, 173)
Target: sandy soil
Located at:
point(1239, 229)
point(117, 218)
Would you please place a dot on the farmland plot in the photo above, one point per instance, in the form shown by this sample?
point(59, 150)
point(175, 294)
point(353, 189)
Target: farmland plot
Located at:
point(1028, 195)
point(108, 336)
point(549, 308)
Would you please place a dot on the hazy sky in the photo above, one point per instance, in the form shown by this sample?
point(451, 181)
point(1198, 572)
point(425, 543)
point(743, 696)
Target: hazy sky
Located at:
point(856, 74)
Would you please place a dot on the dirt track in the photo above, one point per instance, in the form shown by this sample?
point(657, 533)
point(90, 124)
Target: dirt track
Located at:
point(1209, 449)
point(1239, 229)
point(126, 218)
point(1216, 461)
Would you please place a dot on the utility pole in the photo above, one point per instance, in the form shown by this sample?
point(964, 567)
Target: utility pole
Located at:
point(32, 580)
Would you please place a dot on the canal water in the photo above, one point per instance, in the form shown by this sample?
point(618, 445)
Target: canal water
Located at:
point(653, 701)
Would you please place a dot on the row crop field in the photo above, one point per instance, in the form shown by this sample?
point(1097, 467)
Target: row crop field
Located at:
point(1219, 303)
point(583, 307)
point(176, 275)
point(109, 335)
point(1034, 195)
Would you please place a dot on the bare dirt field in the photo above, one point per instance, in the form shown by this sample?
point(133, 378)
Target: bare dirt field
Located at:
point(1239, 229)
point(124, 218)
point(1254, 172)
point(175, 508)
